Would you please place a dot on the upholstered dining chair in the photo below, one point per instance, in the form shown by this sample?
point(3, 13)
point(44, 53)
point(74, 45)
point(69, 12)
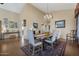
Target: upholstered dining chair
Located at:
point(58, 38)
point(55, 36)
point(58, 35)
point(33, 43)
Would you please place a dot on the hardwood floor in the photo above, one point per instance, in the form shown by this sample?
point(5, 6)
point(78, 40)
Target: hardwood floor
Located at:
point(72, 49)
point(11, 47)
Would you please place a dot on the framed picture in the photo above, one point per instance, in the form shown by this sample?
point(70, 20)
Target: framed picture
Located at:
point(60, 24)
point(24, 22)
point(12, 24)
point(35, 25)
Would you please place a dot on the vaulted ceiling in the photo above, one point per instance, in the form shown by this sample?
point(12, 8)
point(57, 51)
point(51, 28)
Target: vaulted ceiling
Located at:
point(17, 7)
point(14, 7)
point(54, 6)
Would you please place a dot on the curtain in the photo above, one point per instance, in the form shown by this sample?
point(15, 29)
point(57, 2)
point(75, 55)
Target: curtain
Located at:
point(78, 28)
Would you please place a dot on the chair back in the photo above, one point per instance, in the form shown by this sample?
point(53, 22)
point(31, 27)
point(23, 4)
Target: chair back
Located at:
point(54, 37)
point(30, 37)
point(58, 35)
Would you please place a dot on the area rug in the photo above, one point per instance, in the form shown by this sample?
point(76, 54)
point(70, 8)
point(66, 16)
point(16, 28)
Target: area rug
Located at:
point(58, 50)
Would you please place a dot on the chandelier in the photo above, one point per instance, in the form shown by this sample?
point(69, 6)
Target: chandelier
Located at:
point(48, 16)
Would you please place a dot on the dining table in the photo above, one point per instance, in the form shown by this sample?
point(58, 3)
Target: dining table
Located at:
point(43, 35)
point(42, 38)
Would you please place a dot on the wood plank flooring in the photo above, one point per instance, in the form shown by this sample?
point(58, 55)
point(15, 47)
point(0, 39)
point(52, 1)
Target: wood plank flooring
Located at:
point(72, 49)
point(11, 47)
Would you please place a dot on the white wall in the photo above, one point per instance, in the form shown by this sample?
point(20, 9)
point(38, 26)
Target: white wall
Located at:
point(70, 22)
point(31, 15)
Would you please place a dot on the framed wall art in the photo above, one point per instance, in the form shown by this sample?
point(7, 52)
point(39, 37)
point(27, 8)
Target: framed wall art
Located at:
point(35, 25)
point(60, 24)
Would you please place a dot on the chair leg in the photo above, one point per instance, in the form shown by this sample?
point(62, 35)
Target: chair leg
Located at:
point(33, 51)
point(29, 46)
point(52, 46)
point(41, 48)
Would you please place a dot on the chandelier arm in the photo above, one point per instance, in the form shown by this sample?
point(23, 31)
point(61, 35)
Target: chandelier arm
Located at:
point(48, 16)
point(47, 8)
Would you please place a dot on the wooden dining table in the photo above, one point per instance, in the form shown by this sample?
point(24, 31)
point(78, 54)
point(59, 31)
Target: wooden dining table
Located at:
point(42, 38)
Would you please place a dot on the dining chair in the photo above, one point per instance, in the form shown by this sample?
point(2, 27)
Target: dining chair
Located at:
point(58, 38)
point(71, 36)
point(58, 35)
point(33, 43)
point(53, 39)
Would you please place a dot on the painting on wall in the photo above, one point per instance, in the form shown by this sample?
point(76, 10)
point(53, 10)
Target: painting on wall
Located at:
point(35, 25)
point(60, 24)
point(24, 22)
point(12, 24)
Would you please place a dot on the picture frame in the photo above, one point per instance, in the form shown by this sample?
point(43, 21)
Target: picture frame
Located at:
point(35, 25)
point(13, 24)
point(24, 22)
point(60, 24)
